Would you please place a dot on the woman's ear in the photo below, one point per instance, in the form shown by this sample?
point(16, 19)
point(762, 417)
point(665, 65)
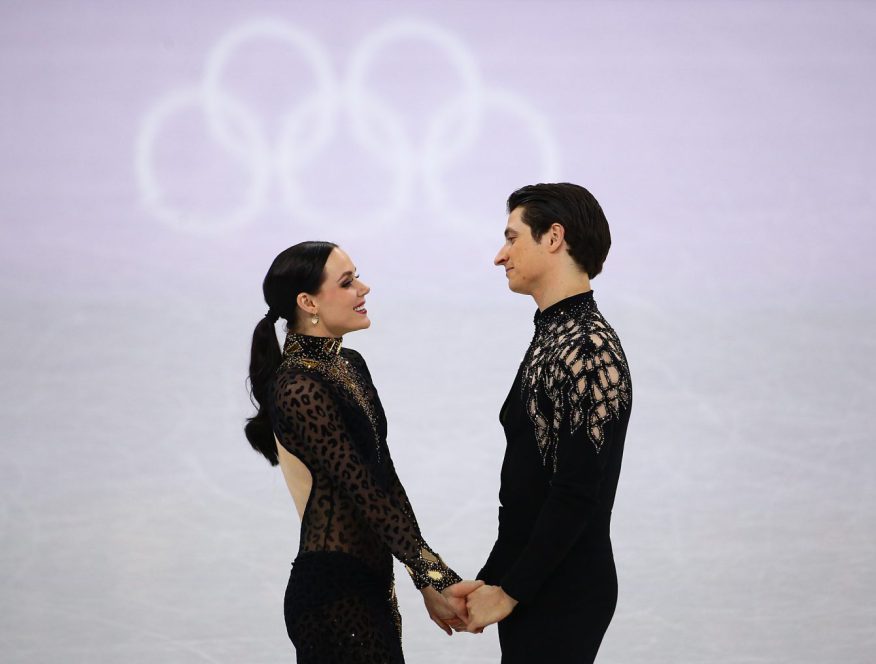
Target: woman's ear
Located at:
point(306, 302)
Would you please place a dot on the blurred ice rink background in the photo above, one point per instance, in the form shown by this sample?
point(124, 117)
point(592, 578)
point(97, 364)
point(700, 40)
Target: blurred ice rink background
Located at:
point(157, 156)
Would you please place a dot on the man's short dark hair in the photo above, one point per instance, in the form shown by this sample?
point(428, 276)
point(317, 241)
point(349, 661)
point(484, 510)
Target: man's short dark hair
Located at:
point(576, 210)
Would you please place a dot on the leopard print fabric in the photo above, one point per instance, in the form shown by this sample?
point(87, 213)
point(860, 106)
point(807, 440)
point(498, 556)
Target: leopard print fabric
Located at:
point(326, 411)
point(575, 374)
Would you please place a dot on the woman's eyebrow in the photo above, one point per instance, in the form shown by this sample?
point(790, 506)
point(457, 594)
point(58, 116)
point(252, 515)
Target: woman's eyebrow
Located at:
point(348, 273)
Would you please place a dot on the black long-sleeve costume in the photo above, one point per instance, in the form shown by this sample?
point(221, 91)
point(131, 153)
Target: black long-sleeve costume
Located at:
point(565, 421)
point(340, 602)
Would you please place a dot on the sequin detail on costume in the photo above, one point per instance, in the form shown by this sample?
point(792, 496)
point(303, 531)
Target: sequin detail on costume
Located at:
point(323, 355)
point(575, 360)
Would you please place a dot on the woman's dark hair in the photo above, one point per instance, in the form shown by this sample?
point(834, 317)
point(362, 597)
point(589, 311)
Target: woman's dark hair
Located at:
point(576, 210)
point(298, 269)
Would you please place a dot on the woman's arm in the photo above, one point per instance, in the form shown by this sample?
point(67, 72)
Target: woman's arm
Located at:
point(306, 411)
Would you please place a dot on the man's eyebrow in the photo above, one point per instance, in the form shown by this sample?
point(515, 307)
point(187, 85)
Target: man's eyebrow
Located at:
point(509, 232)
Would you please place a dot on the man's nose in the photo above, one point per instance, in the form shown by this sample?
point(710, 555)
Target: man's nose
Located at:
point(500, 257)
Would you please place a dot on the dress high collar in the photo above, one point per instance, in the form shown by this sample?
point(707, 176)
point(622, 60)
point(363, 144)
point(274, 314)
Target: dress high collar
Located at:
point(311, 347)
point(566, 307)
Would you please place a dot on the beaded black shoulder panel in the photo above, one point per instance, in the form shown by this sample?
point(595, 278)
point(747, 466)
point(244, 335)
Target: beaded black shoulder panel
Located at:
point(326, 411)
point(575, 374)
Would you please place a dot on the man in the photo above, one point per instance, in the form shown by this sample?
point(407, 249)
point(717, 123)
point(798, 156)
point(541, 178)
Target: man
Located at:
point(550, 578)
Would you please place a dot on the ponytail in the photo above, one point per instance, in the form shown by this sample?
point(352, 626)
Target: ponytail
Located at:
point(264, 360)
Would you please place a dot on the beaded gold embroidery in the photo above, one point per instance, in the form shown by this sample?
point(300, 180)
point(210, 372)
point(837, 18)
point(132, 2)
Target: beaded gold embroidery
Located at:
point(436, 573)
point(323, 354)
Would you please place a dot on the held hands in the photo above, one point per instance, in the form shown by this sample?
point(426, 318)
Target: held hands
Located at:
point(485, 605)
point(446, 611)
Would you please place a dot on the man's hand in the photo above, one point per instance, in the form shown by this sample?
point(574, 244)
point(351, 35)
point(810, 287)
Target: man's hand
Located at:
point(486, 605)
point(445, 611)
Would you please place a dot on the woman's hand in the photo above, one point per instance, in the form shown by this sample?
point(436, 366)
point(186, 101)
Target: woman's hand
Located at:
point(440, 611)
point(443, 612)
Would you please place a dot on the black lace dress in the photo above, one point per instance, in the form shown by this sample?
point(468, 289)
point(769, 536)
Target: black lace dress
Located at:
point(340, 602)
point(565, 421)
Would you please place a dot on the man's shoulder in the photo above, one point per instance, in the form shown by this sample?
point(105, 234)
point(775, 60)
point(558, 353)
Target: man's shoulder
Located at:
point(585, 343)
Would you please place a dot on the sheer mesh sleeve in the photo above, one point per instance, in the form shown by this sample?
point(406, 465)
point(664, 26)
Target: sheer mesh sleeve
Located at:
point(306, 410)
point(437, 569)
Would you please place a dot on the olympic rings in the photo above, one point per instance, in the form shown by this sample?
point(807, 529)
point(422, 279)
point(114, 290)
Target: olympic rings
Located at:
point(376, 127)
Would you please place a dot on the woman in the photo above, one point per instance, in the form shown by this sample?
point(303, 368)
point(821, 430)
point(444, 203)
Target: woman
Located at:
point(320, 418)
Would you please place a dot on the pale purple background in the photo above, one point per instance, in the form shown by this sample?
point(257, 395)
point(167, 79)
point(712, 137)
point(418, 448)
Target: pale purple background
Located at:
point(732, 147)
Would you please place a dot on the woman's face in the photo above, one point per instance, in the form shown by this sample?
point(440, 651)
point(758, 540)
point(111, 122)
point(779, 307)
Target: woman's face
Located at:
point(340, 302)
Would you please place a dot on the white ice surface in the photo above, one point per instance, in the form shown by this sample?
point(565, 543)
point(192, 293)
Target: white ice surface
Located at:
point(138, 526)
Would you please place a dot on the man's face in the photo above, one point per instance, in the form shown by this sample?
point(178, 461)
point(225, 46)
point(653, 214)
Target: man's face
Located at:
point(523, 258)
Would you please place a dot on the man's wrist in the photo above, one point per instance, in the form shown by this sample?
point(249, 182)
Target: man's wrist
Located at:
point(512, 603)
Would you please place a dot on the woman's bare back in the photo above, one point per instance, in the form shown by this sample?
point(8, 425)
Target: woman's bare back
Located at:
point(297, 476)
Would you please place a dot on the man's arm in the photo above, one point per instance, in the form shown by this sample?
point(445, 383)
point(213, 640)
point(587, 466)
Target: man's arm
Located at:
point(571, 502)
point(487, 573)
point(589, 412)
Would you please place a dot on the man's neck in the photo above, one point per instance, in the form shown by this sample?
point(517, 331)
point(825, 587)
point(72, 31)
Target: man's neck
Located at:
point(559, 287)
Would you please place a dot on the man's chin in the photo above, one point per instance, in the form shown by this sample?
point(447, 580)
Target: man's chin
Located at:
point(515, 288)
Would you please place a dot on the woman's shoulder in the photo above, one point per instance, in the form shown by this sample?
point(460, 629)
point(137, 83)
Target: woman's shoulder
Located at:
point(356, 360)
point(353, 355)
point(298, 391)
point(297, 376)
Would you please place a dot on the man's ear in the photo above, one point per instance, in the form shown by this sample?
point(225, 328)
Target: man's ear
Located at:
point(556, 236)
